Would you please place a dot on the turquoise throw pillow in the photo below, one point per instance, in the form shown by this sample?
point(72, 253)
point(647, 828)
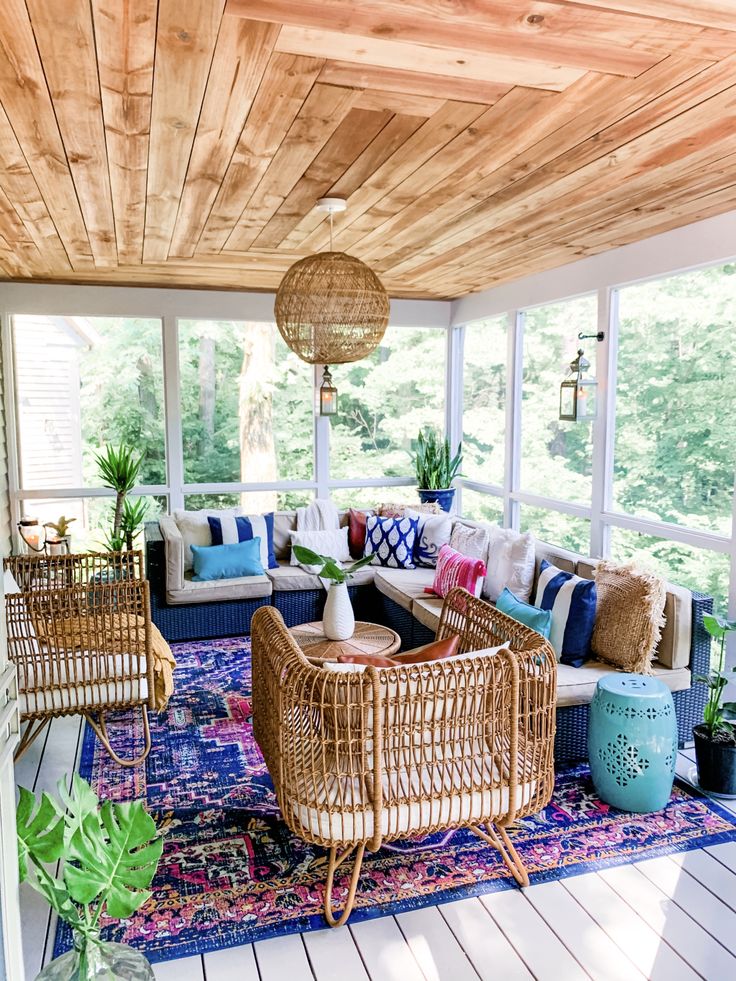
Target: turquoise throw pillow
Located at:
point(227, 561)
point(531, 616)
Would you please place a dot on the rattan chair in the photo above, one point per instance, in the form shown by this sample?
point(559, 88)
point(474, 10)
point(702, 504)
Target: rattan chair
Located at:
point(359, 759)
point(79, 634)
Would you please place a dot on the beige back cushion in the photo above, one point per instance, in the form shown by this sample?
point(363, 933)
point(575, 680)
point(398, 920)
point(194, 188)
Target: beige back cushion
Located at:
point(284, 522)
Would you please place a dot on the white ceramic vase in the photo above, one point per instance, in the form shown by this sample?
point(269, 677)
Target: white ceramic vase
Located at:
point(338, 621)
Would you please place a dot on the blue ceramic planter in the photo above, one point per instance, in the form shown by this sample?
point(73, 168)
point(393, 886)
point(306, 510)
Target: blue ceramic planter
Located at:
point(632, 742)
point(443, 497)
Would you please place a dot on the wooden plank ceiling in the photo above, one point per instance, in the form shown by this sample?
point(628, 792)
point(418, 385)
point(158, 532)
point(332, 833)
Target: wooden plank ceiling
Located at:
point(163, 142)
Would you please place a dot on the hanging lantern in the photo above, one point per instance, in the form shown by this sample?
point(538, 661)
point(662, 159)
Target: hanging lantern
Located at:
point(327, 395)
point(331, 308)
point(578, 395)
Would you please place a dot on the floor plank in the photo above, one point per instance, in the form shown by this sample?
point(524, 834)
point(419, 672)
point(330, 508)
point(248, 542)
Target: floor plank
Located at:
point(385, 953)
point(655, 959)
point(702, 952)
point(233, 964)
point(725, 853)
point(711, 873)
point(435, 946)
point(283, 959)
point(541, 950)
point(334, 956)
point(186, 967)
point(708, 910)
point(478, 934)
point(593, 948)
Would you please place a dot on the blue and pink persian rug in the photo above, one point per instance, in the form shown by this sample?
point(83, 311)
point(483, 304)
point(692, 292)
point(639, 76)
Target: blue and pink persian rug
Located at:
point(232, 873)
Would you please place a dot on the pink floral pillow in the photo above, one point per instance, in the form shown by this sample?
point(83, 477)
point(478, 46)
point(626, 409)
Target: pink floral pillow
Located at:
point(454, 569)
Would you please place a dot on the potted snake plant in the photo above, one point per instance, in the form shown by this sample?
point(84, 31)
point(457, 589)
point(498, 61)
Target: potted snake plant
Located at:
point(715, 736)
point(436, 468)
point(110, 855)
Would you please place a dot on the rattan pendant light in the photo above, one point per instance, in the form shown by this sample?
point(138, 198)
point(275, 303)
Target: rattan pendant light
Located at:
point(331, 308)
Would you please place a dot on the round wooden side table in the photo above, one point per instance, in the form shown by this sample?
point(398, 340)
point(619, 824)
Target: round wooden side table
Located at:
point(369, 638)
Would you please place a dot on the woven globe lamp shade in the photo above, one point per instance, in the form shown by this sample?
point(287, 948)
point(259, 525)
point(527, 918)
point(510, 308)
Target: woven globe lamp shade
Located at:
point(331, 308)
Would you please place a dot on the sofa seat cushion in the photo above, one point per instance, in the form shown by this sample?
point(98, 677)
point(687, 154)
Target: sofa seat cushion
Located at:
point(291, 578)
point(576, 686)
point(427, 611)
point(219, 590)
point(443, 793)
point(403, 586)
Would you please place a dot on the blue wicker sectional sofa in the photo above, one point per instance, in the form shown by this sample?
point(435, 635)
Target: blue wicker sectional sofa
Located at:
point(183, 610)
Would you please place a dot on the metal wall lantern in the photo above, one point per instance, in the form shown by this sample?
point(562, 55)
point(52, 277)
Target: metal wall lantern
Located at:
point(578, 395)
point(32, 534)
point(327, 395)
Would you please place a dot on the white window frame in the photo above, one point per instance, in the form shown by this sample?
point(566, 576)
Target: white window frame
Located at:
point(169, 307)
point(702, 245)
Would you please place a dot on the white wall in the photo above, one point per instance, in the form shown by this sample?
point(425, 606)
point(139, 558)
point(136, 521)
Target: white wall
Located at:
point(702, 243)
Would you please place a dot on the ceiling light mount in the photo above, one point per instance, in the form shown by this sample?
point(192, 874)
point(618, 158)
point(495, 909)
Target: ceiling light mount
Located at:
point(332, 206)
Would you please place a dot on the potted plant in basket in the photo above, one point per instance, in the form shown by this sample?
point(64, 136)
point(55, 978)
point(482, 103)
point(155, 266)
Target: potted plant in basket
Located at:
point(715, 737)
point(338, 619)
point(110, 852)
point(436, 468)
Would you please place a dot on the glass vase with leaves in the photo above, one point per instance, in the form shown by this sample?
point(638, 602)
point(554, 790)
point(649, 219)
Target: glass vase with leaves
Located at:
point(110, 854)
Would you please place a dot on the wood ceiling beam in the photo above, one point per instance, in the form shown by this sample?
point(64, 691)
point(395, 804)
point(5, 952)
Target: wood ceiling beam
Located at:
point(705, 13)
point(125, 35)
point(185, 42)
point(433, 61)
point(401, 82)
point(286, 84)
point(577, 36)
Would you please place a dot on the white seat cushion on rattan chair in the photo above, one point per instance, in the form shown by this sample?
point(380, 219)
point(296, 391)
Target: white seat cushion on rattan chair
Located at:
point(439, 795)
point(86, 681)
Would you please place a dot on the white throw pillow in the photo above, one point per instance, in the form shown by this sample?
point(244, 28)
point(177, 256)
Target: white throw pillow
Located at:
point(469, 540)
point(195, 528)
point(510, 564)
point(332, 542)
point(435, 530)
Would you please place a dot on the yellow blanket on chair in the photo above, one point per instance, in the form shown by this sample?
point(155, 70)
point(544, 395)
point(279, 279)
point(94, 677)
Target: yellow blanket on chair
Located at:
point(114, 633)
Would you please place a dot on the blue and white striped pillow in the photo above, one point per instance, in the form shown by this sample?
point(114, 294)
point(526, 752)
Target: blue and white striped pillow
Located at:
point(572, 601)
point(228, 529)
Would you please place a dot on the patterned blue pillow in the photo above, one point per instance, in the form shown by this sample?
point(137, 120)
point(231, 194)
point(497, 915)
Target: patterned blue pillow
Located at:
point(228, 529)
point(572, 601)
point(391, 541)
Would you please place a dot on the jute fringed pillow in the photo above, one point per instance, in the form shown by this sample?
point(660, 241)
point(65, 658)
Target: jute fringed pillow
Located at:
point(629, 617)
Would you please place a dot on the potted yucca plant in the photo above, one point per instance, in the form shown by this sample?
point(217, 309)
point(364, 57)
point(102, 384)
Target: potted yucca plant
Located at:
point(110, 854)
point(436, 468)
point(119, 467)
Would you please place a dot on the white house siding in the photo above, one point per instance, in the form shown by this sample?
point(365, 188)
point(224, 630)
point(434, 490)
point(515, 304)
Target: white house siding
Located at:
point(47, 393)
point(4, 498)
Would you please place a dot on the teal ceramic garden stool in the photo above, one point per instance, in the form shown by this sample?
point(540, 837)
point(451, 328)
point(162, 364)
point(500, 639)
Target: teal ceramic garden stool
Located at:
point(632, 742)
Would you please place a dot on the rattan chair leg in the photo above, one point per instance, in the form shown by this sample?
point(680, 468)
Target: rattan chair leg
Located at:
point(100, 729)
point(497, 836)
point(334, 864)
point(29, 735)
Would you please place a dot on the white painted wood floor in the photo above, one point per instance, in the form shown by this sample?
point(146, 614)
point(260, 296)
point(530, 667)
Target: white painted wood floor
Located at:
point(666, 918)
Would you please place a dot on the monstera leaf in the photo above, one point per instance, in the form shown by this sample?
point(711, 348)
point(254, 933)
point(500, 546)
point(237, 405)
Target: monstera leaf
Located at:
point(112, 856)
point(40, 831)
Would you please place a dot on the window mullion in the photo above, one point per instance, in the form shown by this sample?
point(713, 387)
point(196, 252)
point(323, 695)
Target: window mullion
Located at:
point(605, 424)
point(172, 407)
point(514, 384)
